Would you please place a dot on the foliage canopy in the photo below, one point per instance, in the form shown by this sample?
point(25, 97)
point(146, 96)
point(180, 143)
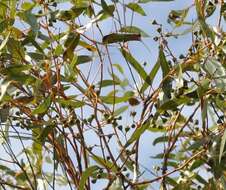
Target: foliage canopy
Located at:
point(77, 102)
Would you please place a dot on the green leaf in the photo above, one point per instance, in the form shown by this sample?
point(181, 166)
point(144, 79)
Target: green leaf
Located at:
point(5, 24)
point(16, 68)
point(81, 59)
point(104, 15)
point(217, 71)
point(87, 46)
point(71, 43)
point(201, 18)
point(147, 1)
point(31, 20)
point(81, 3)
point(160, 140)
point(163, 62)
point(37, 147)
point(137, 133)
point(133, 29)
point(178, 16)
point(27, 6)
point(135, 64)
point(106, 8)
point(196, 164)
point(151, 76)
point(36, 56)
point(136, 8)
point(115, 37)
point(16, 49)
point(174, 103)
point(70, 103)
point(119, 67)
point(200, 179)
point(222, 145)
point(120, 110)
point(165, 70)
point(43, 133)
point(43, 107)
point(105, 83)
point(105, 163)
point(111, 99)
point(85, 175)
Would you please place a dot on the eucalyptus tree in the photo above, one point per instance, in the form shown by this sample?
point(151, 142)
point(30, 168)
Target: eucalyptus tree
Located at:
point(80, 106)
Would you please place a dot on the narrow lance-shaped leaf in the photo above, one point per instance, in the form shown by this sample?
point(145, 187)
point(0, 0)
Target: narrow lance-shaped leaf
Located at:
point(160, 140)
point(106, 8)
point(151, 76)
point(165, 70)
point(137, 133)
point(222, 145)
point(201, 18)
point(134, 29)
point(147, 1)
point(111, 99)
point(136, 8)
point(120, 110)
point(114, 38)
point(37, 150)
point(135, 64)
point(85, 175)
point(71, 43)
point(43, 107)
point(105, 163)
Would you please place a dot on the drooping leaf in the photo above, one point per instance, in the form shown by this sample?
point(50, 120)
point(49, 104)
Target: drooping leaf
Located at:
point(166, 86)
point(116, 37)
point(85, 175)
point(120, 110)
point(147, 1)
point(43, 133)
point(201, 18)
point(111, 99)
point(133, 29)
point(151, 76)
point(135, 64)
point(16, 49)
point(70, 44)
point(174, 103)
point(178, 16)
point(222, 145)
point(160, 140)
point(137, 133)
point(136, 8)
point(70, 103)
point(217, 71)
point(81, 59)
point(37, 148)
point(104, 163)
point(106, 83)
point(31, 19)
point(106, 8)
point(3, 25)
point(43, 107)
